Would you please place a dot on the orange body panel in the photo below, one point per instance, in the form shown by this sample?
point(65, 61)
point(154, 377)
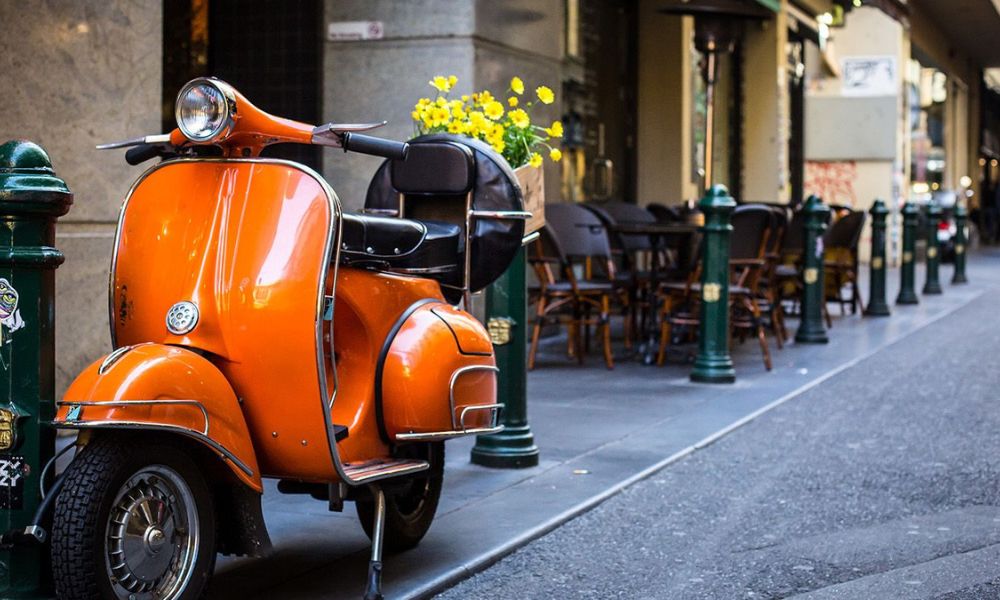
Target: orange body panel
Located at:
point(153, 372)
point(368, 305)
point(248, 243)
point(425, 360)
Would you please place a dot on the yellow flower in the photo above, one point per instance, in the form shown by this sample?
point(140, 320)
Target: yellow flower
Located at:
point(556, 130)
point(555, 154)
point(439, 116)
point(512, 101)
point(423, 102)
point(485, 97)
point(493, 110)
point(545, 94)
point(517, 85)
point(443, 84)
point(465, 97)
point(441, 101)
point(535, 160)
point(456, 127)
point(477, 123)
point(520, 118)
point(452, 80)
point(416, 115)
point(499, 145)
point(457, 109)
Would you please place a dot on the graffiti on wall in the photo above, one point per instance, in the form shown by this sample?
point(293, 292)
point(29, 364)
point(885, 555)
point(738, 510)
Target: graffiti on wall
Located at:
point(833, 181)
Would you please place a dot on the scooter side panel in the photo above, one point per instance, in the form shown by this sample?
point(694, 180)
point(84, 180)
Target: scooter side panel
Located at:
point(368, 306)
point(429, 380)
point(156, 387)
point(247, 242)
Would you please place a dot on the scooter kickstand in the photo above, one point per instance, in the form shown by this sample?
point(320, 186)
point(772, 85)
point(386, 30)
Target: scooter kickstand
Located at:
point(373, 590)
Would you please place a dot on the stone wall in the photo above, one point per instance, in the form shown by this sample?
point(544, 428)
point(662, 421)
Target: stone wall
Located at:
point(72, 75)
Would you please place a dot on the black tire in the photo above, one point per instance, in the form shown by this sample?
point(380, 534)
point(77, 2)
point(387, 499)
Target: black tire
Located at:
point(409, 509)
point(104, 470)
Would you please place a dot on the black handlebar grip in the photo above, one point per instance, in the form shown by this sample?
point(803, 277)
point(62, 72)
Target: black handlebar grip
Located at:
point(141, 153)
point(366, 144)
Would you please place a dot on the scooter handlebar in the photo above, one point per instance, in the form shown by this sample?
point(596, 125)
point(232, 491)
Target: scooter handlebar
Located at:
point(367, 144)
point(141, 153)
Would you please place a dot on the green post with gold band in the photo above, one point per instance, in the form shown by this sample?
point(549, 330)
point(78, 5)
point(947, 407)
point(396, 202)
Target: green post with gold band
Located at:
point(961, 243)
point(713, 363)
point(932, 285)
point(506, 314)
point(908, 270)
point(877, 306)
point(811, 329)
point(31, 199)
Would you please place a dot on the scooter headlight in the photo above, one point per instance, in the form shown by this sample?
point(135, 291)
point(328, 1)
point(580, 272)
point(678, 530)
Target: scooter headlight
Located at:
point(205, 110)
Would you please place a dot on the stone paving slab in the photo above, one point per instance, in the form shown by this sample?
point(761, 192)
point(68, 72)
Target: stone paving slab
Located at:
point(598, 431)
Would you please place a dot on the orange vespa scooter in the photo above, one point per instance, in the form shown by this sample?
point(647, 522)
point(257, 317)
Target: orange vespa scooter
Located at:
point(259, 332)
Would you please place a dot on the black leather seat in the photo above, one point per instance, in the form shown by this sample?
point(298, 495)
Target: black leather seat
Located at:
point(427, 248)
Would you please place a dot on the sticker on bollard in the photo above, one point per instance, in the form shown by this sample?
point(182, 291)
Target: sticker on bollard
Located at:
point(10, 316)
point(13, 471)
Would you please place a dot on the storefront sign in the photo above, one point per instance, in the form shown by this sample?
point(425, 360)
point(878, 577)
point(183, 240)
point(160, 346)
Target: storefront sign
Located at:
point(869, 76)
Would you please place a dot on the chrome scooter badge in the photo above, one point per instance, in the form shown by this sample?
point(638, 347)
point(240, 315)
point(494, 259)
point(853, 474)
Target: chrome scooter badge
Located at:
point(182, 318)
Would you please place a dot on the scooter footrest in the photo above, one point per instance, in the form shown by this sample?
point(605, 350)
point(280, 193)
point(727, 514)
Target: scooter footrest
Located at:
point(381, 468)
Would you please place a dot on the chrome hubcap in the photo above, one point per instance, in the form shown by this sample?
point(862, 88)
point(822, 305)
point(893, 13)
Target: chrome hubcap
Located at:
point(152, 536)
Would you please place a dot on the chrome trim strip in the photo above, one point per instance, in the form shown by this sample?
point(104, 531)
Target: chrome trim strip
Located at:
point(530, 238)
point(112, 358)
point(438, 436)
point(375, 470)
point(454, 378)
point(226, 454)
point(124, 403)
point(502, 215)
point(422, 270)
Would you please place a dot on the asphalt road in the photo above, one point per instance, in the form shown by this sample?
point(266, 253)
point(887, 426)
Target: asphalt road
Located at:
point(882, 482)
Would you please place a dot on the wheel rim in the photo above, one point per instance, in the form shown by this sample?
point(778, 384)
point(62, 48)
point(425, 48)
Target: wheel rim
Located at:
point(151, 540)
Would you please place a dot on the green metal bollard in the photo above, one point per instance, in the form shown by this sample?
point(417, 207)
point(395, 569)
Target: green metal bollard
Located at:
point(811, 330)
point(933, 259)
point(877, 306)
point(713, 364)
point(31, 198)
point(961, 243)
point(907, 273)
point(506, 311)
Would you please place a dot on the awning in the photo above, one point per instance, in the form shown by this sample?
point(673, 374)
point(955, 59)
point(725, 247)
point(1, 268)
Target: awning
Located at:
point(774, 5)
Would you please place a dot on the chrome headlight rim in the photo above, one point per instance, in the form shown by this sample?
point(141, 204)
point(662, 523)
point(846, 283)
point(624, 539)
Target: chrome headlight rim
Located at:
point(229, 118)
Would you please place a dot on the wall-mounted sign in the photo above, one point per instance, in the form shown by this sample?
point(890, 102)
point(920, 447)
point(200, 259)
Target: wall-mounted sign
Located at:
point(869, 76)
point(352, 31)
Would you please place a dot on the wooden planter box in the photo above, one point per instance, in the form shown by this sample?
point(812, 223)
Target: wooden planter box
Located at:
point(532, 182)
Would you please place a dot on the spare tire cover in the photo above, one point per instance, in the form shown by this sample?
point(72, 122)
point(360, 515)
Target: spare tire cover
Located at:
point(494, 242)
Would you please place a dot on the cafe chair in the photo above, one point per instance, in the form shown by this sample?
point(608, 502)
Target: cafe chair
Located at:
point(840, 264)
point(573, 263)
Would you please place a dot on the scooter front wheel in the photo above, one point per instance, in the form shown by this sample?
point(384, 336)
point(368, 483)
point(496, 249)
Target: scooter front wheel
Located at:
point(134, 520)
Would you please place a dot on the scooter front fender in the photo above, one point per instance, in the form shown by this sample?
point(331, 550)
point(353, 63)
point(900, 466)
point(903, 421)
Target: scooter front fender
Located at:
point(163, 388)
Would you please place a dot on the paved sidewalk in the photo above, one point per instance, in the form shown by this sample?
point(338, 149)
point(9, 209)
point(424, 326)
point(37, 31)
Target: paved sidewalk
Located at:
point(598, 432)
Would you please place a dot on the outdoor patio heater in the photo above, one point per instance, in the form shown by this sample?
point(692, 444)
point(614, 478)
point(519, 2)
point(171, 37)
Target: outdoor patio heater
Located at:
point(717, 26)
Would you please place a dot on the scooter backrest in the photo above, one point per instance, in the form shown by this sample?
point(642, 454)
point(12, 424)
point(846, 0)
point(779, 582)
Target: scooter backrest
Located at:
point(433, 187)
point(435, 169)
